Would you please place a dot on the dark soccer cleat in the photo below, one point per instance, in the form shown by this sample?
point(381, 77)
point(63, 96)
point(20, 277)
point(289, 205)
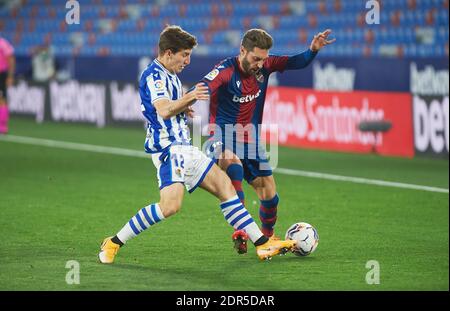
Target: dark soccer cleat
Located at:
point(240, 239)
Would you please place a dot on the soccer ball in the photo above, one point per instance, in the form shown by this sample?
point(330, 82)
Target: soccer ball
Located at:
point(306, 236)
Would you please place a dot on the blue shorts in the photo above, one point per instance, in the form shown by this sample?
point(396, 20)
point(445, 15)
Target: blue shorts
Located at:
point(255, 168)
point(255, 164)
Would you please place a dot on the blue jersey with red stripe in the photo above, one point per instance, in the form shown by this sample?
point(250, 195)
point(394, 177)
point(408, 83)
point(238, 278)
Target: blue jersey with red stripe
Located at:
point(237, 98)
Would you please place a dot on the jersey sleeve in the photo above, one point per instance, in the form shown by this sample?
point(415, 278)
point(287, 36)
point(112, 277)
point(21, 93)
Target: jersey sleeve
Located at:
point(157, 87)
point(281, 63)
point(276, 63)
point(216, 78)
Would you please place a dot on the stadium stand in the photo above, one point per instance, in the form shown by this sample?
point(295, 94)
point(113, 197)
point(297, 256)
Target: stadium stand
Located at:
point(408, 28)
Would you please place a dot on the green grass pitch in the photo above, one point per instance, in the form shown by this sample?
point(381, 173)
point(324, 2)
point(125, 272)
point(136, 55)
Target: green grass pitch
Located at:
point(57, 205)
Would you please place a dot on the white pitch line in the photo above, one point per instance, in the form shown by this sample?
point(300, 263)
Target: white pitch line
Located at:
point(359, 180)
point(142, 154)
point(73, 146)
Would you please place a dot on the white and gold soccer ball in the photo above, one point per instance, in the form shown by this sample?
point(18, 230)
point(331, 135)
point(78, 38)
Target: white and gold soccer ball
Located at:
point(306, 236)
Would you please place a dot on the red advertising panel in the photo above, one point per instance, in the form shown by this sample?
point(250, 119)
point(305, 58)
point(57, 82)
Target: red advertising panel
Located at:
point(329, 120)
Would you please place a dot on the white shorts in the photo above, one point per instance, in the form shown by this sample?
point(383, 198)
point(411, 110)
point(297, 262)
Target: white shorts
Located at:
point(182, 163)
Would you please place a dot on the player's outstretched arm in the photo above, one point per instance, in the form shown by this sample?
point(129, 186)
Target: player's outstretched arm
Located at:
point(167, 108)
point(303, 59)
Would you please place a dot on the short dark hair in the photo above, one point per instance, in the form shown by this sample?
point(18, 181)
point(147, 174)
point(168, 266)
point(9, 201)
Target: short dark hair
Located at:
point(256, 38)
point(174, 38)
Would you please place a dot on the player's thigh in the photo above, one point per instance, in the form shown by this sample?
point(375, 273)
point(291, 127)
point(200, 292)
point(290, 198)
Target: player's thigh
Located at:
point(265, 187)
point(171, 198)
point(227, 158)
point(218, 183)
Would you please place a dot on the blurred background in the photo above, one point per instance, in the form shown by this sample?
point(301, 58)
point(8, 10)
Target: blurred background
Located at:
point(389, 64)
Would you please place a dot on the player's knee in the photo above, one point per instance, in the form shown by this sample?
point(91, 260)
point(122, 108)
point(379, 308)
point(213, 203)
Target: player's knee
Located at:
point(228, 158)
point(170, 207)
point(235, 171)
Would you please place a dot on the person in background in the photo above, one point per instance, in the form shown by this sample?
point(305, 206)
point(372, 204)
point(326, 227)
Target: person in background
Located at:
point(7, 69)
point(43, 63)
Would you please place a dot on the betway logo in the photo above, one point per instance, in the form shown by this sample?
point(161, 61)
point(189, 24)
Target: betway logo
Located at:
point(246, 99)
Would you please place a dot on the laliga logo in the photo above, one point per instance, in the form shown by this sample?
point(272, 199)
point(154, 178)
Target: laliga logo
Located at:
point(246, 99)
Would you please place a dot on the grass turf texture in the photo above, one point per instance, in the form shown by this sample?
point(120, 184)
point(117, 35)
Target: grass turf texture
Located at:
point(57, 205)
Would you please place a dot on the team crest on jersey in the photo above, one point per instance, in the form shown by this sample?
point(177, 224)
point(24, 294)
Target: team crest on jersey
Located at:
point(259, 76)
point(210, 76)
point(159, 85)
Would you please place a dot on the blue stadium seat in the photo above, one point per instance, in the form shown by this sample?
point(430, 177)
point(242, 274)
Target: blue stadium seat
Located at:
point(128, 39)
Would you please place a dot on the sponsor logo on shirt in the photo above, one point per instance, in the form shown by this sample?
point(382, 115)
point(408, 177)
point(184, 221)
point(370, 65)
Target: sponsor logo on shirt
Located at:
point(246, 99)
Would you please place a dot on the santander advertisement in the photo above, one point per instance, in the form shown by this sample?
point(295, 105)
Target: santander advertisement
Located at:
point(329, 120)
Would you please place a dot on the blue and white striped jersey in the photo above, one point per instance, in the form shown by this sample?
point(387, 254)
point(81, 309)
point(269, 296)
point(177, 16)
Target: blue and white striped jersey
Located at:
point(158, 83)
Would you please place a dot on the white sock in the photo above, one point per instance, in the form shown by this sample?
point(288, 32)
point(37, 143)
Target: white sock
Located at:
point(144, 218)
point(237, 215)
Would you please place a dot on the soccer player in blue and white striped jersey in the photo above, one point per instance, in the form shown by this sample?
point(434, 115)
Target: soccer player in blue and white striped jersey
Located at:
point(178, 163)
point(159, 83)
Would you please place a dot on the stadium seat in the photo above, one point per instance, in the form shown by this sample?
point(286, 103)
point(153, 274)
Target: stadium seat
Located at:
point(214, 24)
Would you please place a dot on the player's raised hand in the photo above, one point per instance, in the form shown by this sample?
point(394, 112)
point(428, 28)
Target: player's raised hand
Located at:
point(320, 40)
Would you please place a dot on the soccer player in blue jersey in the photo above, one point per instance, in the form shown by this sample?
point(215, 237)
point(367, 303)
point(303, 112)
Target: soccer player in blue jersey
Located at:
point(178, 163)
point(237, 88)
